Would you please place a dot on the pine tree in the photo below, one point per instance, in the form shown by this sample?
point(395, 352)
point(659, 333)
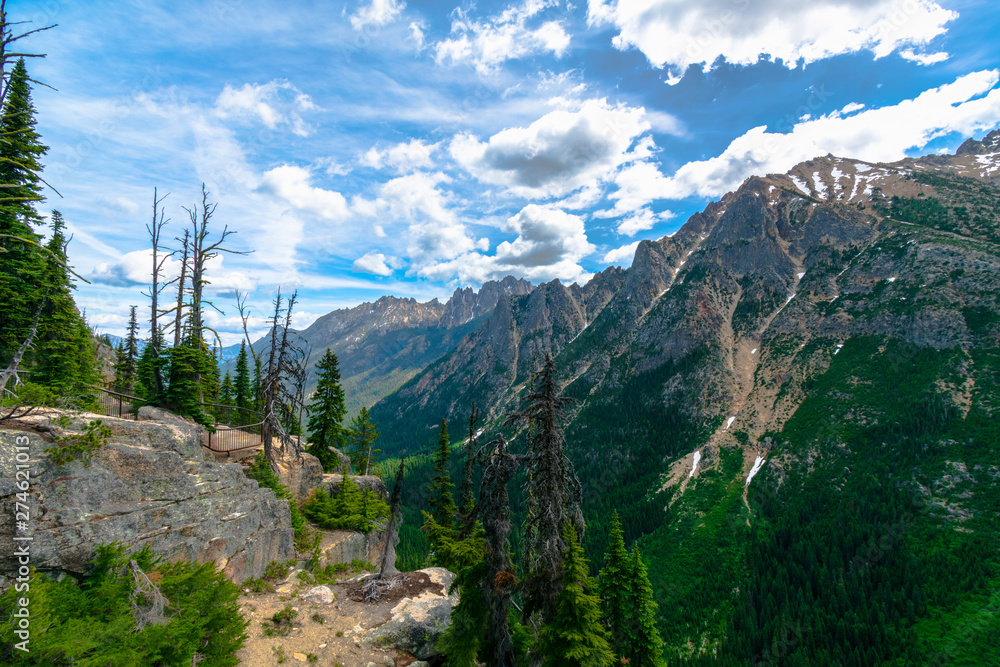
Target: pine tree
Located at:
point(574, 636)
point(126, 368)
point(241, 383)
point(21, 259)
point(257, 387)
point(615, 585)
point(20, 150)
point(226, 390)
point(326, 412)
point(644, 643)
point(552, 492)
point(360, 438)
point(441, 500)
point(63, 358)
point(465, 496)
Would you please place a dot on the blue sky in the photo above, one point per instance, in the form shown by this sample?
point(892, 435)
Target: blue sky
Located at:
point(376, 147)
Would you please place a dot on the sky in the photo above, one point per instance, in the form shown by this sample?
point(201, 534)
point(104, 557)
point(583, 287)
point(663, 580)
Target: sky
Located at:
point(407, 147)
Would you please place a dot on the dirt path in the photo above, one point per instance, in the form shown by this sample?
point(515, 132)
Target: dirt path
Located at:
point(324, 634)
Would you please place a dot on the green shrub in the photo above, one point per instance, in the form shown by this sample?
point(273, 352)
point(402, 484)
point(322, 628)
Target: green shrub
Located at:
point(93, 622)
point(306, 539)
point(281, 623)
point(350, 509)
point(72, 447)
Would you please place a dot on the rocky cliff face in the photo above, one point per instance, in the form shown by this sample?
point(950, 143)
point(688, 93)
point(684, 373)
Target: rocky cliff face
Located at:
point(148, 486)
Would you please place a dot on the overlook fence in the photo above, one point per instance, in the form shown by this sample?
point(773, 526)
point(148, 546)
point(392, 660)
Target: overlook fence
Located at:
point(233, 428)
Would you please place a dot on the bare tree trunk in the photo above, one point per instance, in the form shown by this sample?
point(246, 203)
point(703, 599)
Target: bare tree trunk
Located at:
point(11, 370)
point(179, 312)
point(155, 230)
point(387, 563)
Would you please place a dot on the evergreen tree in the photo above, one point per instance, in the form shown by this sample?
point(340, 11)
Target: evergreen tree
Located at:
point(326, 413)
point(644, 644)
point(361, 437)
point(465, 496)
point(63, 357)
point(128, 359)
point(257, 387)
point(20, 150)
point(22, 261)
point(615, 585)
point(226, 390)
point(242, 394)
point(441, 500)
point(574, 636)
point(552, 492)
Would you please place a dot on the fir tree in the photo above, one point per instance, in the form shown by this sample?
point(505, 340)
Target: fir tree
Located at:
point(257, 387)
point(615, 585)
point(326, 413)
point(465, 496)
point(574, 636)
point(360, 438)
point(22, 262)
point(126, 367)
point(644, 643)
point(552, 491)
point(226, 390)
point(241, 383)
point(441, 500)
point(63, 358)
point(20, 150)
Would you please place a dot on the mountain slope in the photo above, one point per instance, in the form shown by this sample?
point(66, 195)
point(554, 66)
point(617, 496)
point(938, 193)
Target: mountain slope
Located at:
point(834, 331)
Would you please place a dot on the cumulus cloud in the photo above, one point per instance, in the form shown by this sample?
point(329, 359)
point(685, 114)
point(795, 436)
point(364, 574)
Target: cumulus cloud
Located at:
point(134, 269)
point(621, 256)
point(640, 220)
point(968, 105)
point(273, 104)
point(677, 33)
point(558, 153)
point(488, 43)
point(377, 13)
point(293, 184)
point(550, 244)
point(375, 263)
point(402, 157)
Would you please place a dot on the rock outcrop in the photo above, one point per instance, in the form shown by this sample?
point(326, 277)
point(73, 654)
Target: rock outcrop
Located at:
point(150, 485)
point(416, 624)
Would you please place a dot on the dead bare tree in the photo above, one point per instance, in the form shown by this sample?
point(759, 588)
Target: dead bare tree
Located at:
point(160, 257)
point(285, 361)
point(12, 370)
point(202, 249)
point(7, 38)
point(178, 309)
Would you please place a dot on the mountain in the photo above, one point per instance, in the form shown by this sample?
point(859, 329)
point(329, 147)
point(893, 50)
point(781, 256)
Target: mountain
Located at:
point(383, 344)
point(793, 404)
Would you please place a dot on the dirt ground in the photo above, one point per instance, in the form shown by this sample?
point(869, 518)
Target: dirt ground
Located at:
point(322, 634)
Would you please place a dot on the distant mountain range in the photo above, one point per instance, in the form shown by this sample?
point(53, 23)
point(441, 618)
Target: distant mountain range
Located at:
point(382, 345)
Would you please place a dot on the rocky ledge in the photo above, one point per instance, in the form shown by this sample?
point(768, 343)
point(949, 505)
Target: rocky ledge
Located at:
point(149, 485)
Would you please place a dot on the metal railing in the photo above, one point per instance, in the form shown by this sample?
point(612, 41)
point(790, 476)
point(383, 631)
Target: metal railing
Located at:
point(115, 404)
point(233, 428)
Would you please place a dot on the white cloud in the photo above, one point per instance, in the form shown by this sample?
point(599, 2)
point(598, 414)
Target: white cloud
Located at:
point(417, 29)
point(402, 157)
point(377, 13)
point(506, 36)
point(968, 105)
point(621, 256)
point(640, 220)
point(374, 262)
point(678, 33)
point(293, 184)
point(558, 153)
point(924, 58)
point(550, 244)
point(274, 103)
point(134, 269)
